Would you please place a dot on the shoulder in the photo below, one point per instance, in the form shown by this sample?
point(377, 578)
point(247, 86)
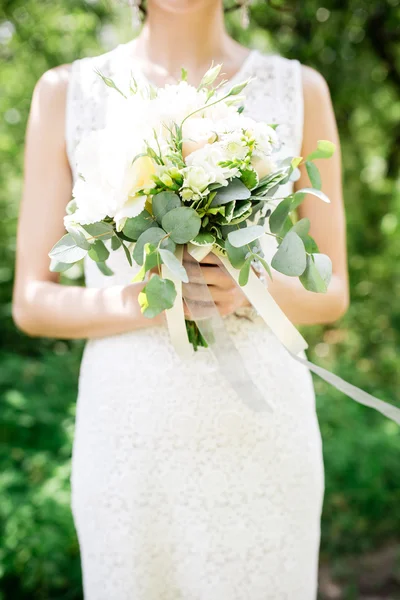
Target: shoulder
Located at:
point(52, 87)
point(315, 88)
point(50, 91)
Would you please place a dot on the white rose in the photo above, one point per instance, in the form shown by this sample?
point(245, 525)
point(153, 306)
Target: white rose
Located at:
point(197, 180)
point(263, 165)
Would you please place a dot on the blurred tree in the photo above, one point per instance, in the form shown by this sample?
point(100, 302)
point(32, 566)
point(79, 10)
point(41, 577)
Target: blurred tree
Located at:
point(354, 45)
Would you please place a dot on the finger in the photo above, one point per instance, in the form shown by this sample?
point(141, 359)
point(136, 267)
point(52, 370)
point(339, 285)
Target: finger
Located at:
point(218, 277)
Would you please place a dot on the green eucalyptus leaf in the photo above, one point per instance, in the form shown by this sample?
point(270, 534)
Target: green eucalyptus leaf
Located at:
point(174, 265)
point(317, 274)
point(58, 267)
point(102, 230)
point(105, 269)
point(290, 258)
point(265, 265)
point(298, 198)
point(135, 226)
point(246, 235)
point(325, 149)
point(67, 251)
point(163, 203)
point(154, 235)
point(237, 256)
point(115, 242)
point(302, 228)
point(310, 245)
point(280, 214)
point(152, 257)
point(79, 237)
point(127, 253)
point(183, 224)
point(245, 272)
point(158, 295)
point(314, 192)
point(313, 174)
point(98, 251)
point(235, 190)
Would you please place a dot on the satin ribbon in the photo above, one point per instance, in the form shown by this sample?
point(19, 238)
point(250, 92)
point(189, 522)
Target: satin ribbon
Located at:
point(211, 325)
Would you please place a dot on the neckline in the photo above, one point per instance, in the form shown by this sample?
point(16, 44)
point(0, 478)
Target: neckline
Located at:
point(124, 49)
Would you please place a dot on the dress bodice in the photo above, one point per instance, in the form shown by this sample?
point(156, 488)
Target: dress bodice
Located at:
point(274, 95)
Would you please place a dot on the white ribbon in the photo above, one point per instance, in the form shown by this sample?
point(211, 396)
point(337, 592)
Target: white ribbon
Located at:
point(231, 365)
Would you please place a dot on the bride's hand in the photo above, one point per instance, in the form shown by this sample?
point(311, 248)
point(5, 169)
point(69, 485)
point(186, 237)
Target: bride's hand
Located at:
point(227, 295)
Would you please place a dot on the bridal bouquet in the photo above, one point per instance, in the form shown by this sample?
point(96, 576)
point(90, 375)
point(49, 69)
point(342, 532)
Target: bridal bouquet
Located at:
point(184, 166)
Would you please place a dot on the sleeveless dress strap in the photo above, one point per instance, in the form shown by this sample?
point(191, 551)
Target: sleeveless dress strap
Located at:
point(275, 95)
point(86, 100)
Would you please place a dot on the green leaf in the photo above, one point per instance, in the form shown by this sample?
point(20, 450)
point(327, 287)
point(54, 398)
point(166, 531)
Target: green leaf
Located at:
point(265, 265)
point(135, 226)
point(102, 230)
point(246, 235)
point(78, 236)
point(174, 265)
point(310, 245)
point(325, 149)
point(235, 190)
point(294, 163)
point(151, 236)
point(241, 207)
point(324, 266)
point(163, 203)
point(314, 192)
point(67, 251)
point(250, 178)
point(152, 257)
point(183, 224)
point(158, 295)
point(115, 242)
point(302, 228)
point(203, 239)
point(127, 253)
point(237, 256)
point(278, 217)
point(317, 274)
point(243, 217)
point(98, 251)
point(105, 269)
point(290, 258)
point(298, 198)
point(245, 272)
point(313, 174)
point(58, 267)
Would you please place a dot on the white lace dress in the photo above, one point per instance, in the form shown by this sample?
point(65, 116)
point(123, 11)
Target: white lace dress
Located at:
point(179, 490)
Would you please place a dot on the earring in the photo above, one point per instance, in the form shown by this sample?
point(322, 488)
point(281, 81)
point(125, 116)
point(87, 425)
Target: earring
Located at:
point(244, 13)
point(136, 14)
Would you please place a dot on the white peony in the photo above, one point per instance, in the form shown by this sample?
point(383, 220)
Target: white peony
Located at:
point(209, 158)
point(109, 183)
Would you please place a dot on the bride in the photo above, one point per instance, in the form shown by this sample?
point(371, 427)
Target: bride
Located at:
point(179, 490)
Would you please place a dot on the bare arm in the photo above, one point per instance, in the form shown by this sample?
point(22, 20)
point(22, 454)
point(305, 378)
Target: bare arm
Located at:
point(327, 220)
point(41, 306)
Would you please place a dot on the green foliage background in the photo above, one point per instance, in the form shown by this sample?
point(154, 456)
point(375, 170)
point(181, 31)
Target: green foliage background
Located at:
point(353, 44)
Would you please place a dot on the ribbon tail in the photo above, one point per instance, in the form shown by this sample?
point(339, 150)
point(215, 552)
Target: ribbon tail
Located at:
point(175, 316)
point(211, 325)
point(269, 310)
point(353, 392)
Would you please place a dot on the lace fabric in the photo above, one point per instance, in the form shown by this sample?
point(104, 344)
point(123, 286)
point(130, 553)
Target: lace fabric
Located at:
point(179, 491)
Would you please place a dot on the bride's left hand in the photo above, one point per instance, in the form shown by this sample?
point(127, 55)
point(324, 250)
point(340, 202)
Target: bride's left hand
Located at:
point(227, 295)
